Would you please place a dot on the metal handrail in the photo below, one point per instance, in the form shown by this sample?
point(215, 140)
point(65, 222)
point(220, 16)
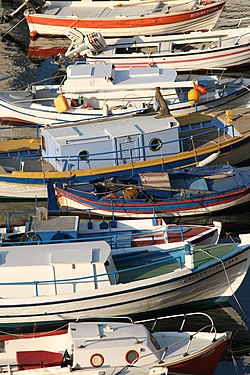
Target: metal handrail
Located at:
point(100, 156)
point(80, 280)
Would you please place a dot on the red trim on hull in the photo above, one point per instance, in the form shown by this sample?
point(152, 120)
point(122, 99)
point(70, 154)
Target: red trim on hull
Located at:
point(155, 62)
point(228, 197)
point(203, 364)
point(122, 23)
point(15, 121)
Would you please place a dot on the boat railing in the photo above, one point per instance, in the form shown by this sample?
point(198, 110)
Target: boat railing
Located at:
point(98, 278)
point(133, 154)
point(233, 20)
point(115, 239)
point(164, 351)
point(183, 321)
point(189, 338)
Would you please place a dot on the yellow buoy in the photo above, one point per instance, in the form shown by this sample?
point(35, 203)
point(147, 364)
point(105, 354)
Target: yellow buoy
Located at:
point(193, 96)
point(229, 116)
point(61, 104)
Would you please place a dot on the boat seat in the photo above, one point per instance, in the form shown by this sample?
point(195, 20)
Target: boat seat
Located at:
point(196, 183)
point(157, 180)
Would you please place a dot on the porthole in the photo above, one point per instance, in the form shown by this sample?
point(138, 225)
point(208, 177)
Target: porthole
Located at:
point(83, 155)
point(131, 356)
point(155, 144)
point(97, 360)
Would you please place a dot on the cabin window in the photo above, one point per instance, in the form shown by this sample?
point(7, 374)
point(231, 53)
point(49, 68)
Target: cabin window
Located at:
point(136, 49)
point(43, 144)
point(155, 144)
point(83, 155)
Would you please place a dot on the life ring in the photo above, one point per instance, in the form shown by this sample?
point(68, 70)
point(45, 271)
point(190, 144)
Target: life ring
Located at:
point(97, 360)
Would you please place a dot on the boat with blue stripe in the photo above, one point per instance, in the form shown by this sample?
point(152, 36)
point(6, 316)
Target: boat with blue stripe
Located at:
point(69, 281)
point(80, 152)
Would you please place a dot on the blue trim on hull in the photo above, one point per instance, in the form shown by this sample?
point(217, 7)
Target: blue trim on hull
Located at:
point(192, 283)
point(156, 168)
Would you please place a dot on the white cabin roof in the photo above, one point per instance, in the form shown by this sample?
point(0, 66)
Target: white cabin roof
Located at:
point(68, 253)
point(88, 70)
point(96, 76)
point(98, 131)
point(98, 330)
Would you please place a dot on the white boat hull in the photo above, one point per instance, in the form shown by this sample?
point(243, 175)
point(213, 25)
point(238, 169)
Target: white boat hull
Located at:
point(71, 204)
point(204, 18)
point(227, 58)
point(126, 299)
point(133, 101)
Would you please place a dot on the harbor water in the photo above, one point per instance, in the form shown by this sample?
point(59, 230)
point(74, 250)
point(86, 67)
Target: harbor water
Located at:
point(21, 68)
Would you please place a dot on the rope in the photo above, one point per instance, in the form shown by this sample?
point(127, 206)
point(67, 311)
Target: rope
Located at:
point(40, 333)
point(245, 87)
point(13, 27)
point(229, 284)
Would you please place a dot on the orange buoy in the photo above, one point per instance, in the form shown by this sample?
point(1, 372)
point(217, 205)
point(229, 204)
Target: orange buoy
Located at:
point(193, 96)
point(201, 89)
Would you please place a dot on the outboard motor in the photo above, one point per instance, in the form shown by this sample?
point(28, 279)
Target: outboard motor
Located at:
point(93, 42)
point(80, 44)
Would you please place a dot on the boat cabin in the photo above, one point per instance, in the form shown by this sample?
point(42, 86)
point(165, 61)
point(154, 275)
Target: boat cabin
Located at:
point(49, 270)
point(118, 344)
point(109, 143)
point(106, 75)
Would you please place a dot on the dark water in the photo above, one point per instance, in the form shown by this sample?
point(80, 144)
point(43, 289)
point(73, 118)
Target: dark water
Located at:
point(22, 69)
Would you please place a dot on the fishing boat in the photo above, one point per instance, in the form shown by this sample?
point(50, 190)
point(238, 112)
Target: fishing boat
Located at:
point(44, 228)
point(122, 19)
point(53, 284)
point(100, 90)
point(80, 153)
point(228, 48)
point(117, 346)
point(196, 191)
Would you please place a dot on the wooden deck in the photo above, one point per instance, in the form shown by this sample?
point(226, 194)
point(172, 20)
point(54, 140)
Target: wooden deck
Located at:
point(241, 119)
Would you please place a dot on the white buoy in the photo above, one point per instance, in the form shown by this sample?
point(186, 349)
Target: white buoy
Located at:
point(208, 160)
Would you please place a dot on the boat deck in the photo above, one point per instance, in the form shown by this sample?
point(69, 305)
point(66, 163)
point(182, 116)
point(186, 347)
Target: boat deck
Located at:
point(108, 12)
point(165, 263)
point(241, 119)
